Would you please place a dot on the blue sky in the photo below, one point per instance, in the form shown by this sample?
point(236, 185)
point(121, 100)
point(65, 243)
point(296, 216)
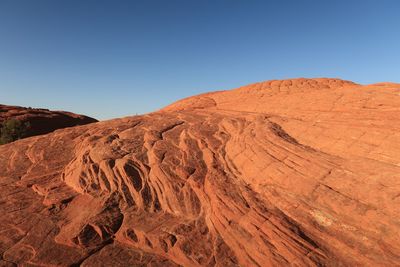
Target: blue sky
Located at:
point(116, 58)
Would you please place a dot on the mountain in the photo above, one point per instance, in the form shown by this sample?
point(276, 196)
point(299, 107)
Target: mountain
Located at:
point(41, 121)
point(301, 172)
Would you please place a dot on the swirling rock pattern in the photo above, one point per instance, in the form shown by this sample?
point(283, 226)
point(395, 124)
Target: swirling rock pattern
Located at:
point(301, 172)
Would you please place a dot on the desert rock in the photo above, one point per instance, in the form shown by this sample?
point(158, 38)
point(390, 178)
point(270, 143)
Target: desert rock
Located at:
point(42, 121)
point(301, 172)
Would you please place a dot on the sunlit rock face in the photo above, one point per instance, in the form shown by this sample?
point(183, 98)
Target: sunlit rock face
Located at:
point(301, 172)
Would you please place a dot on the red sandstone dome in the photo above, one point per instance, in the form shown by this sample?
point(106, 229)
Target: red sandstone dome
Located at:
point(301, 172)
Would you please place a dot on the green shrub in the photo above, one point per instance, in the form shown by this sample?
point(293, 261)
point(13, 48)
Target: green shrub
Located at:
point(12, 130)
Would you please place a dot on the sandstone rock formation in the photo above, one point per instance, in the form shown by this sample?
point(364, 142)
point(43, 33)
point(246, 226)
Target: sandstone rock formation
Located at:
point(301, 172)
point(42, 121)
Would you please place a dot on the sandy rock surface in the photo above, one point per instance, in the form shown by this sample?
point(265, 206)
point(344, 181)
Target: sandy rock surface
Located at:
point(301, 172)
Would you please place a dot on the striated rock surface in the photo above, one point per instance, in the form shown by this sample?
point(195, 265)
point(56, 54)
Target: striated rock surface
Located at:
point(301, 172)
point(42, 121)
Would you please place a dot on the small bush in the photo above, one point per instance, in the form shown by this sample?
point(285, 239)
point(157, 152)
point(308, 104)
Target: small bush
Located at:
point(12, 130)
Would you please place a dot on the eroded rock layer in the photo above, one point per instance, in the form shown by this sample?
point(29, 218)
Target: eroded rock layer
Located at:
point(298, 172)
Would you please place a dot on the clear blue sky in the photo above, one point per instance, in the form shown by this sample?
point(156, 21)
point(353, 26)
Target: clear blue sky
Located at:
point(115, 58)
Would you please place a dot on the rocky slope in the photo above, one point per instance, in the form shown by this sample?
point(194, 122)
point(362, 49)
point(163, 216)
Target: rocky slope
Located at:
point(42, 121)
point(300, 172)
